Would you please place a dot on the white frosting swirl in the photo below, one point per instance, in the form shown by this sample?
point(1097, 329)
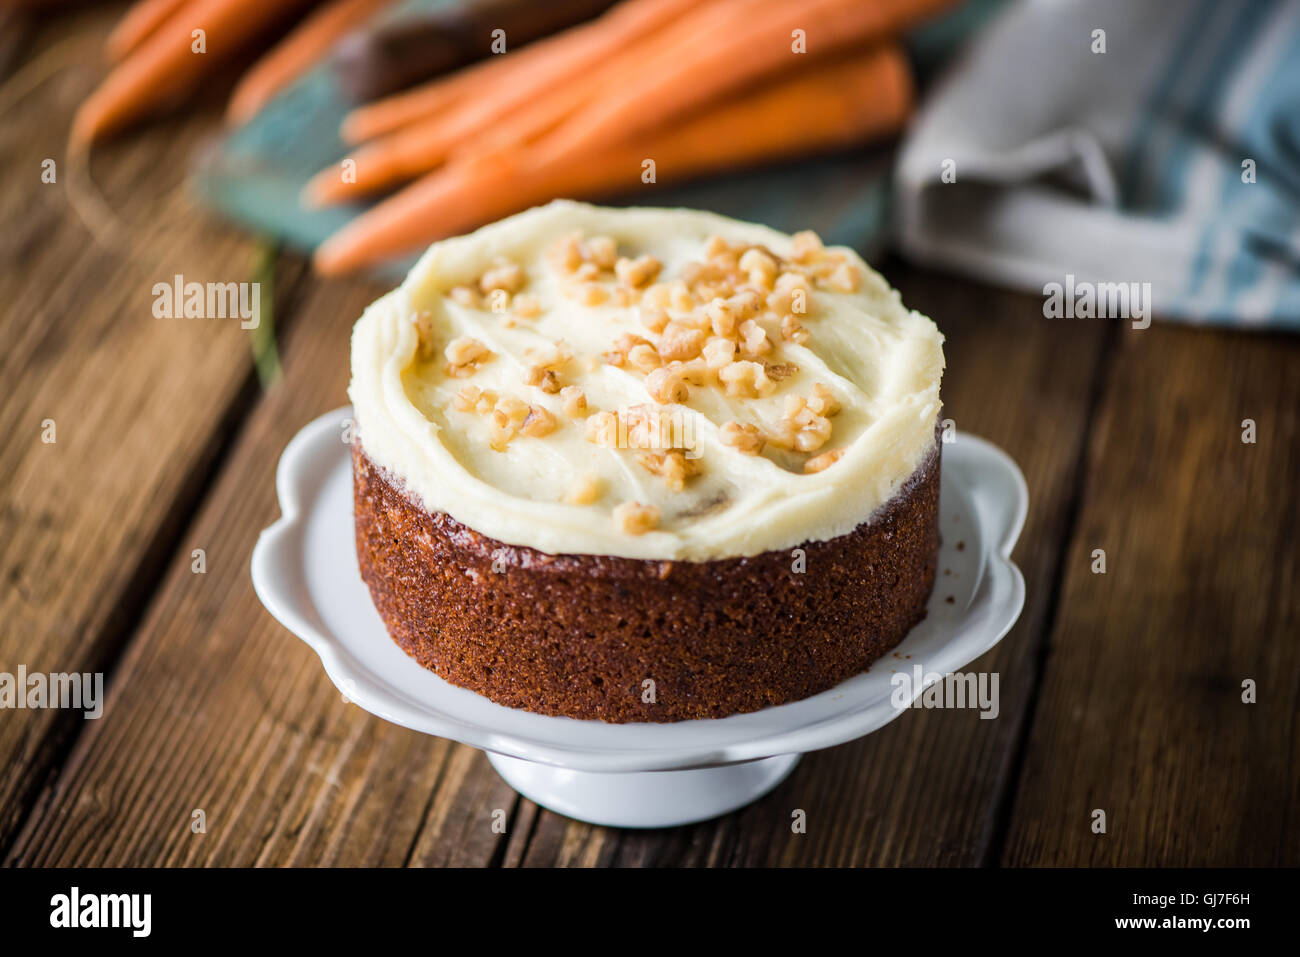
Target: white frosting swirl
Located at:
point(882, 362)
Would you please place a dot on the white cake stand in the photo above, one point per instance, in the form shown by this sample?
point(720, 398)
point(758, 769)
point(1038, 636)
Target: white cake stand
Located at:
point(628, 775)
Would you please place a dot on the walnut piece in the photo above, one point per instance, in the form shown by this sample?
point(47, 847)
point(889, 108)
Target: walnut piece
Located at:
point(819, 463)
point(671, 466)
point(742, 436)
point(637, 272)
point(575, 401)
point(746, 379)
point(508, 277)
point(539, 422)
point(633, 518)
point(680, 342)
point(585, 490)
point(464, 354)
point(527, 307)
point(602, 429)
point(666, 386)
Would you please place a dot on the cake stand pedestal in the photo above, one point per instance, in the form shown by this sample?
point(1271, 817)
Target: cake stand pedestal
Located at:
point(645, 798)
point(305, 572)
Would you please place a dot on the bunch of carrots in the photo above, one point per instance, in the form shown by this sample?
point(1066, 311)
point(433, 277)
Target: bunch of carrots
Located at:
point(692, 86)
point(650, 91)
point(162, 49)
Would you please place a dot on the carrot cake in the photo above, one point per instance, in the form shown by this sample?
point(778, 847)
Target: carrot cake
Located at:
point(645, 464)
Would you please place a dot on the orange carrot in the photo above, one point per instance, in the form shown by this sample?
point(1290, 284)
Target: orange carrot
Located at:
point(624, 65)
point(422, 102)
point(827, 107)
point(517, 77)
point(166, 61)
point(296, 54)
point(715, 63)
point(140, 21)
point(514, 107)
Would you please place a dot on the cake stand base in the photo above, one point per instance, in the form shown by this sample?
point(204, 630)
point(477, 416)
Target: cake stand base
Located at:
point(644, 798)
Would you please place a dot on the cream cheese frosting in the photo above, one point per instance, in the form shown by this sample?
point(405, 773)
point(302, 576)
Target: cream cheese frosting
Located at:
point(469, 383)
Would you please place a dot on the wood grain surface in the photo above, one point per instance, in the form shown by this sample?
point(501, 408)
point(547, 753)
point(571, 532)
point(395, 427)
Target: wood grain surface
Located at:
point(1120, 691)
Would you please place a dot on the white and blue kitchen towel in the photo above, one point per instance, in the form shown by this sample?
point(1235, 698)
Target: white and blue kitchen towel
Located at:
point(1171, 158)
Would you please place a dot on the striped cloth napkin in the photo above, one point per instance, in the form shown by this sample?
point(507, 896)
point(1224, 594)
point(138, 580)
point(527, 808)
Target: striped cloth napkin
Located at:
point(1089, 142)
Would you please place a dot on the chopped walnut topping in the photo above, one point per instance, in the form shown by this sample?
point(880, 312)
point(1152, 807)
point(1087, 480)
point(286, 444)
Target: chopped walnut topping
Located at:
point(695, 273)
point(746, 304)
point(507, 417)
point(644, 357)
point(844, 278)
point(464, 354)
point(544, 372)
point(575, 401)
point(499, 302)
point(671, 466)
point(471, 398)
point(634, 518)
point(802, 428)
point(648, 426)
point(806, 246)
point(654, 318)
point(509, 409)
point(548, 380)
point(666, 387)
point(679, 296)
point(693, 371)
point(506, 277)
point(719, 352)
point(658, 296)
point(602, 429)
point(819, 463)
point(603, 251)
point(512, 416)
point(424, 334)
point(791, 295)
point(814, 435)
point(585, 490)
point(617, 354)
point(645, 427)
point(637, 272)
point(744, 437)
point(539, 422)
point(792, 330)
point(823, 401)
point(722, 317)
point(754, 336)
point(500, 436)
point(680, 342)
point(588, 293)
point(714, 325)
point(760, 266)
point(527, 307)
point(464, 296)
point(746, 379)
point(566, 254)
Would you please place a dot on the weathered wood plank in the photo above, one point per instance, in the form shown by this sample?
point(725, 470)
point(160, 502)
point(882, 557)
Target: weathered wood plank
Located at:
point(139, 404)
point(1141, 713)
point(927, 789)
point(215, 706)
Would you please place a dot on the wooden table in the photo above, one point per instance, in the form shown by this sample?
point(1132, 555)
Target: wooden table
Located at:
point(1120, 691)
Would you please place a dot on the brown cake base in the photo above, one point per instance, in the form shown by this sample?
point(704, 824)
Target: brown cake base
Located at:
point(579, 635)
